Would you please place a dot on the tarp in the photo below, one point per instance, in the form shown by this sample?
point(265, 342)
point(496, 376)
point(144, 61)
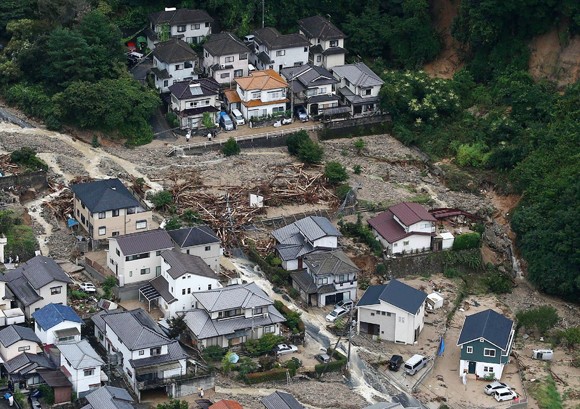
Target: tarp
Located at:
point(441, 347)
point(71, 223)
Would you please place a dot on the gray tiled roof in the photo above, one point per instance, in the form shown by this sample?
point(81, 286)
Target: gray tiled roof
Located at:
point(309, 75)
point(174, 50)
point(80, 354)
point(193, 236)
point(281, 400)
point(180, 16)
point(330, 263)
point(319, 27)
point(200, 88)
point(136, 329)
point(109, 397)
point(39, 271)
point(103, 195)
point(489, 325)
point(23, 291)
point(14, 333)
point(174, 353)
point(161, 285)
point(274, 40)
point(181, 263)
point(26, 362)
point(312, 227)
point(293, 251)
point(144, 242)
point(304, 281)
point(395, 293)
point(234, 296)
point(358, 74)
point(224, 44)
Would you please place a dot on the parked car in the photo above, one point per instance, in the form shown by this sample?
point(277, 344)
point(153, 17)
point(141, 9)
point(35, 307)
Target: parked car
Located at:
point(283, 349)
point(226, 122)
point(301, 113)
point(336, 314)
point(237, 117)
point(323, 358)
point(415, 364)
point(501, 395)
point(492, 387)
point(395, 362)
point(345, 304)
point(88, 287)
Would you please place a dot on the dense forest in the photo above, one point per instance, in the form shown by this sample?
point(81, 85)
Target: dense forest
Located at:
point(64, 59)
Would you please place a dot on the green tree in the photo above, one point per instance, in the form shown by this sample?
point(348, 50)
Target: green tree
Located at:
point(263, 345)
point(231, 147)
point(161, 199)
point(542, 318)
point(335, 172)
point(294, 141)
point(173, 404)
point(173, 223)
point(207, 121)
point(359, 145)
point(310, 152)
point(177, 326)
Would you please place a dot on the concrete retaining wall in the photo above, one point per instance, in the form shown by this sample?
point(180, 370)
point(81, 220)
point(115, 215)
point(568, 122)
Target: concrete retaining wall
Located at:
point(36, 180)
point(191, 386)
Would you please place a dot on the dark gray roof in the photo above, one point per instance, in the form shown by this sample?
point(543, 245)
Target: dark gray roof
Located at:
point(174, 50)
point(23, 291)
point(136, 329)
point(193, 236)
point(395, 293)
point(304, 281)
point(273, 40)
point(192, 89)
point(264, 58)
point(312, 227)
point(103, 195)
point(224, 44)
point(234, 296)
point(322, 98)
point(489, 325)
point(161, 74)
point(281, 400)
point(330, 263)
point(334, 51)
point(356, 98)
point(174, 353)
point(309, 75)
point(144, 242)
point(26, 362)
point(358, 74)
point(319, 27)
point(161, 289)
point(293, 251)
point(110, 397)
point(180, 16)
point(14, 333)
point(181, 263)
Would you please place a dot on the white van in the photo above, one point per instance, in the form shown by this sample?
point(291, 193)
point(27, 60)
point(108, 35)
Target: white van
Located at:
point(415, 363)
point(237, 117)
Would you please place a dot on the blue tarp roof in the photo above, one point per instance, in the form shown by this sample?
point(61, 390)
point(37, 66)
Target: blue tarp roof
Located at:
point(53, 314)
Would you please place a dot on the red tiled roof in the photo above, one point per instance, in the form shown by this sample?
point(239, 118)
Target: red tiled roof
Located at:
point(411, 213)
point(226, 404)
point(385, 224)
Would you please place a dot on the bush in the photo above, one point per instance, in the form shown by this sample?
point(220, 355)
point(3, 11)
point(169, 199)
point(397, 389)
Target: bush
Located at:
point(263, 345)
point(466, 241)
point(292, 365)
point(108, 285)
point(541, 318)
point(276, 275)
point(310, 152)
point(294, 293)
point(335, 172)
point(246, 365)
point(161, 199)
point(214, 353)
point(569, 337)
point(294, 141)
point(172, 120)
point(363, 233)
point(78, 295)
point(231, 147)
point(498, 283)
point(359, 145)
point(267, 362)
point(276, 374)
point(342, 191)
point(26, 156)
point(357, 169)
point(293, 320)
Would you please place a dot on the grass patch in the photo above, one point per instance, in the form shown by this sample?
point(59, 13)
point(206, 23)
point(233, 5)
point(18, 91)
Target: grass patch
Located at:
point(546, 394)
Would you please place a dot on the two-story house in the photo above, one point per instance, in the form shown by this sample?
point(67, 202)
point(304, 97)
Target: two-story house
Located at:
point(303, 237)
point(25, 369)
point(8, 315)
point(173, 61)
point(14, 340)
point(136, 257)
point(56, 323)
point(311, 86)
point(36, 283)
point(199, 241)
point(81, 365)
point(225, 57)
point(147, 358)
point(181, 276)
point(106, 208)
point(232, 315)
point(392, 312)
point(190, 100)
point(329, 277)
point(109, 397)
point(326, 41)
point(274, 51)
point(358, 88)
point(404, 228)
point(262, 93)
point(486, 342)
point(191, 26)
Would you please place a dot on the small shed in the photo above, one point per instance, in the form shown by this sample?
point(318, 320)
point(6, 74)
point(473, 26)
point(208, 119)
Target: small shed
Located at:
point(447, 240)
point(59, 383)
point(434, 301)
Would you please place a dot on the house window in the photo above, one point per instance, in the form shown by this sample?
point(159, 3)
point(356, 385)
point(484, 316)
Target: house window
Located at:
point(323, 280)
point(383, 313)
point(141, 224)
point(137, 256)
point(177, 66)
point(225, 75)
point(102, 231)
point(145, 271)
point(183, 291)
point(24, 348)
point(55, 290)
point(102, 215)
point(258, 310)
point(305, 49)
point(209, 286)
point(117, 252)
point(207, 248)
point(238, 73)
point(243, 56)
point(489, 352)
point(89, 372)
point(189, 291)
point(116, 213)
point(188, 64)
point(469, 350)
point(318, 58)
point(115, 234)
point(334, 43)
point(189, 40)
point(155, 351)
point(180, 29)
point(406, 243)
point(268, 329)
point(195, 26)
point(256, 94)
point(280, 53)
point(372, 314)
point(388, 314)
point(165, 83)
point(158, 271)
point(402, 320)
point(142, 352)
point(229, 58)
point(367, 92)
point(207, 24)
point(395, 245)
point(129, 373)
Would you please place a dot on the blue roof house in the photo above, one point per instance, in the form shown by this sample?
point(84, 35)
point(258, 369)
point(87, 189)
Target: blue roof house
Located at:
point(57, 323)
point(486, 342)
point(392, 312)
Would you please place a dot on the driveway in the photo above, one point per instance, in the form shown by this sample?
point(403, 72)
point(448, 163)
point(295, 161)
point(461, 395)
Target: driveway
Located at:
point(139, 72)
point(161, 129)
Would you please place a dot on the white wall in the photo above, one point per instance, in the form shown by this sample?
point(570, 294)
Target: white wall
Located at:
point(292, 56)
point(331, 61)
point(177, 73)
point(290, 265)
point(327, 242)
point(81, 383)
point(414, 242)
point(405, 323)
point(18, 348)
point(130, 271)
point(193, 33)
point(479, 368)
point(237, 61)
point(48, 337)
point(47, 297)
point(262, 110)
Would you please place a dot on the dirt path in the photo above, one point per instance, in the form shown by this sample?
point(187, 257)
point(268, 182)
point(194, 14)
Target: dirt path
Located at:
point(448, 62)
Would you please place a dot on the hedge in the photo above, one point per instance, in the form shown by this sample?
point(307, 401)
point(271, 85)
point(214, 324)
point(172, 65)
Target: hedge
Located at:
point(277, 275)
point(466, 241)
point(287, 311)
point(276, 374)
point(333, 366)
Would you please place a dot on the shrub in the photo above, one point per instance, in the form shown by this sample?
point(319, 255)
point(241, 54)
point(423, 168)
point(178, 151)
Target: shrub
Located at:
point(172, 120)
point(359, 145)
point(466, 241)
point(293, 320)
point(569, 337)
point(541, 318)
point(310, 152)
point(363, 233)
point(363, 283)
point(342, 191)
point(335, 172)
point(173, 224)
point(276, 374)
point(214, 353)
point(294, 293)
point(498, 283)
point(267, 362)
point(161, 199)
point(292, 365)
point(173, 404)
point(78, 295)
point(26, 156)
point(472, 155)
point(357, 169)
point(546, 394)
point(263, 345)
point(294, 141)
point(231, 147)
point(381, 269)
point(246, 365)
point(108, 285)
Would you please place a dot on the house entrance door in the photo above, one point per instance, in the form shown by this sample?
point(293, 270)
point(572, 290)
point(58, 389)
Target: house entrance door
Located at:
point(471, 368)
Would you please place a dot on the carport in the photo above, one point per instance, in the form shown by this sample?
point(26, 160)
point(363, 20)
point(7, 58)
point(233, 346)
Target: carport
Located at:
point(59, 383)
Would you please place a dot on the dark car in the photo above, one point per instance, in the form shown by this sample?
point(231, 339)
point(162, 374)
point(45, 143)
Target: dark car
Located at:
point(395, 362)
point(301, 113)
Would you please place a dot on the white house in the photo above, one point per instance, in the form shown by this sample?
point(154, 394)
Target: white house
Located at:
point(225, 57)
point(56, 323)
point(303, 237)
point(358, 88)
point(8, 315)
point(147, 358)
point(404, 228)
point(182, 275)
point(82, 366)
point(274, 51)
point(392, 312)
point(173, 61)
point(190, 100)
point(312, 86)
point(15, 339)
point(262, 93)
point(199, 241)
point(326, 41)
point(136, 257)
point(191, 26)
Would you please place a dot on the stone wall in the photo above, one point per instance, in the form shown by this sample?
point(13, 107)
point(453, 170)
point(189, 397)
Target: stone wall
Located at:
point(428, 263)
point(36, 180)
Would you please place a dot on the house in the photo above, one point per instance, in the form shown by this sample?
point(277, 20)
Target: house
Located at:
point(15, 340)
point(8, 315)
point(36, 283)
point(56, 323)
point(190, 100)
point(109, 397)
point(57, 381)
point(392, 312)
point(358, 88)
point(181, 276)
point(274, 51)
point(136, 257)
point(226, 404)
point(225, 57)
point(147, 358)
point(312, 86)
point(302, 237)
point(106, 208)
point(326, 41)
point(485, 340)
point(232, 315)
point(199, 241)
point(404, 228)
point(173, 61)
point(82, 366)
point(262, 93)
point(23, 368)
point(281, 400)
point(191, 26)
point(329, 277)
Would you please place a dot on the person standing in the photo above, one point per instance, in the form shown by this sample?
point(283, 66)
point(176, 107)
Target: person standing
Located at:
point(201, 392)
